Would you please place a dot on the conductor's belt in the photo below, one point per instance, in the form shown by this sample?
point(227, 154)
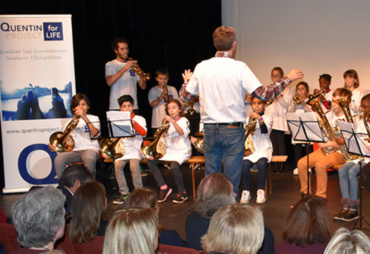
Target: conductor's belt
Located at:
point(236, 124)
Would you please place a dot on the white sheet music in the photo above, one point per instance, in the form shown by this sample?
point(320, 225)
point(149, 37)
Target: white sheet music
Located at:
point(121, 123)
point(310, 131)
point(355, 144)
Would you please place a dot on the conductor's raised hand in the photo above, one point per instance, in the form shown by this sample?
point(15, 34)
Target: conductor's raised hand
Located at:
point(295, 74)
point(187, 74)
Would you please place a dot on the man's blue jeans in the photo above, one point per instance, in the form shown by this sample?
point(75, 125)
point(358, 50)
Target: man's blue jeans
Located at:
point(225, 144)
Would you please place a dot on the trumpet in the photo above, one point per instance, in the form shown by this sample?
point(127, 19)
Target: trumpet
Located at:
point(139, 71)
point(296, 99)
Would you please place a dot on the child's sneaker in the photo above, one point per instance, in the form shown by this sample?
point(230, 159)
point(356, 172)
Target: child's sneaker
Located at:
point(163, 194)
point(246, 196)
point(121, 199)
point(260, 197)
point(180, 198)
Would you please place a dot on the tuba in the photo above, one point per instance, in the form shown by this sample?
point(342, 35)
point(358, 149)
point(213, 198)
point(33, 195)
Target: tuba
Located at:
point(112, 147)
point(154, 146)
point(250, 128)
point(139, 71)
point(327, 130)
point(63, 140)
point(344, 104)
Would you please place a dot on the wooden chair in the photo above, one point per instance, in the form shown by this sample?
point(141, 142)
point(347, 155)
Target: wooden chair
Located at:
point(274, 158)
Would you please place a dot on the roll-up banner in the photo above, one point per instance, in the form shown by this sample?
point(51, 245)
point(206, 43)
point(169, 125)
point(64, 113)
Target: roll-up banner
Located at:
point(37, 81)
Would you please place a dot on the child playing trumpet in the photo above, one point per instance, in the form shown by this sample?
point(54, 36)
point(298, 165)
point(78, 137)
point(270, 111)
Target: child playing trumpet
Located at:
point(262, 154)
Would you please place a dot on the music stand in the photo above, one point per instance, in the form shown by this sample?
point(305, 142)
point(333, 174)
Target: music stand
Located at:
point(357, 146)
point(305, 127)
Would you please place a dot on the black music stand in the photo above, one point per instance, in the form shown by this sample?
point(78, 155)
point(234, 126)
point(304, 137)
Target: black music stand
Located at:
point(356, 146)
point(118, 125)
point(305, 127)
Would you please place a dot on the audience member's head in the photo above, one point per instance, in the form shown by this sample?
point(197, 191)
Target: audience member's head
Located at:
point(308, 222)
point(345, 241)
point(214, 192)
point(132, 231)
point(235, 228)
point(38, 218)
point(88, 206)
point(144, 197)
point(74, 176)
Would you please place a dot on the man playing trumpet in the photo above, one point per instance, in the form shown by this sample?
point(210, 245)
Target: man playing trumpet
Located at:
point(120, 76)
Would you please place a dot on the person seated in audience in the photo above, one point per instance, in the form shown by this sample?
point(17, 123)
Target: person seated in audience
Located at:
point(214, 191)
point(38, 218)
point(348, 173)
point(345, 241)
point(300, 106)
point(146, 197)
point(71, 179)
point(352, 83)
point(235, 228)
point(88, 218)
point(132, 231)
point(307, 229)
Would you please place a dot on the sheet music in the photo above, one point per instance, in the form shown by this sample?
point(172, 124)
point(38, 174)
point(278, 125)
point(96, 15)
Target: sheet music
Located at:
point(304, 127)
point(121, 123)
point(354, 141)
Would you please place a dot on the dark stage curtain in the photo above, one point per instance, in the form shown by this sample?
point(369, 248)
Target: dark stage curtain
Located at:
point(175, 34)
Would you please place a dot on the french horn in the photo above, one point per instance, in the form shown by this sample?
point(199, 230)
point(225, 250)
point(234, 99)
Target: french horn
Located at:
point(154, 146)
point(63, 141)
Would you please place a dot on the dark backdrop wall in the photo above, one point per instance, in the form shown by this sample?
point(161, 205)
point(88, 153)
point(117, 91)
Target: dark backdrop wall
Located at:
point(173, 34)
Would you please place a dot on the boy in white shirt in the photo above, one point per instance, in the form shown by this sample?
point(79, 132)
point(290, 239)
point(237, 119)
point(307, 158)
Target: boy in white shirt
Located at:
point(132, 153)
point(159, 95)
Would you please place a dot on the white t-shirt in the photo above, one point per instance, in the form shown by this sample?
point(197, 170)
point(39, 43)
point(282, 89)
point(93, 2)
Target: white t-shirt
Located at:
point(81, 134)
point(159, 111)
point(221, 83)
point(356, 100)
point(132, 145)
point(277, 110)
point(178, 148)
point(261, 141)
point(126, 84)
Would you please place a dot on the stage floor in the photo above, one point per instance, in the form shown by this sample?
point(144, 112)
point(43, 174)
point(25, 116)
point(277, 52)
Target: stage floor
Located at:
point(285, 192)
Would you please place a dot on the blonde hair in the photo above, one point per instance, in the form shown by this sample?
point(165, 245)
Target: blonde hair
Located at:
point(235, 228)
point(131, 231)
point(348, 242)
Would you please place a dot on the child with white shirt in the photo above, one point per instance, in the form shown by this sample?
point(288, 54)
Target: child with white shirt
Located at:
point(262, 154)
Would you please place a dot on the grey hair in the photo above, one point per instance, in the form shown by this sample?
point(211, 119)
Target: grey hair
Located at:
point(38, 215)
point(345, 241)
